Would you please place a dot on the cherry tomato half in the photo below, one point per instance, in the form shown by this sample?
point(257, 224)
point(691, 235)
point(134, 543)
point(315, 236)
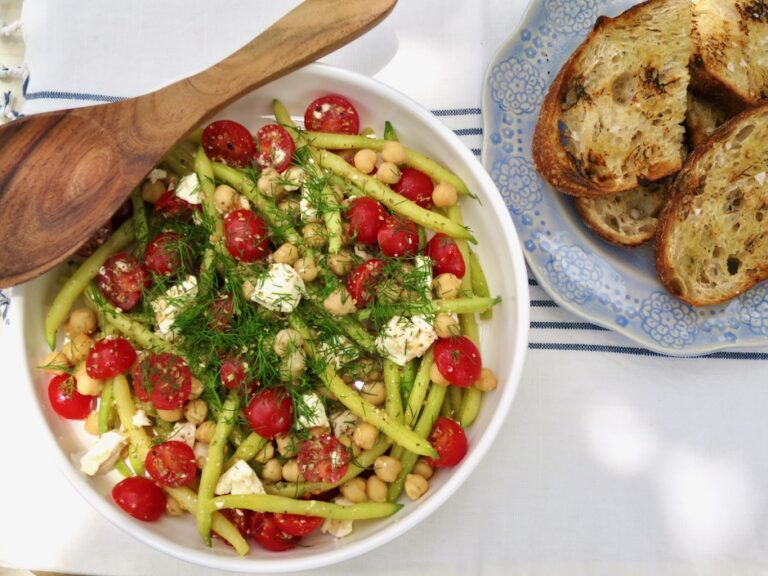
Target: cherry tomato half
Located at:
point(416, 186)
point(171, 463)
point(172, 207)
point(445, 255)
point(140, 497)
point(267, 533)
point(228, 142)
point(322, 459)
point(458, 360)
point(275, 147)
point(362, 281)
point(450, 442)
point(233, 371)
point(109, 357)
point(332, 113)
point(122, 280)
point(398, 237)
point(365, 218)
point(298, 524)
point(163, 379)
point(66, 401)
point(270, 412)
point(220, 312)
point(163, 254)
point(245, 236)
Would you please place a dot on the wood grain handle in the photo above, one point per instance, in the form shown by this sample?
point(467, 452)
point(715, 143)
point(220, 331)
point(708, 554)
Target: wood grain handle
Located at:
point(310, 31)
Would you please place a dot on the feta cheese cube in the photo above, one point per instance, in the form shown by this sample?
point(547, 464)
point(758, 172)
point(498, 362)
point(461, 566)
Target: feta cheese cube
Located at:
point(189, 189)
point(101, 457)
point(338, 528)
point(168, 306)
point(404, 339)
point(343, 423)
point(337, 350)
point(312, 413)
point(184, 432)
point(140, 418)
point(239, 479)
point(279, 290)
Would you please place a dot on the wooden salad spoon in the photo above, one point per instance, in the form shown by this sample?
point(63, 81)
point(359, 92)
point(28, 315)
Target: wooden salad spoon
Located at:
point(62, 174)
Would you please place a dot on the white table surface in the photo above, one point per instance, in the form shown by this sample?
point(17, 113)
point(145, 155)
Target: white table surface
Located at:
point(612, 461)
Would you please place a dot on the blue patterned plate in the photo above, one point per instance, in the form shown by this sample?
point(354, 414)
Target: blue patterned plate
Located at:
point(610, 286)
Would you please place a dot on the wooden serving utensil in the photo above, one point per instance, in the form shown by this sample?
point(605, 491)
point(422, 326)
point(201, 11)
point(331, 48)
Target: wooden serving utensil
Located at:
point(62, 174)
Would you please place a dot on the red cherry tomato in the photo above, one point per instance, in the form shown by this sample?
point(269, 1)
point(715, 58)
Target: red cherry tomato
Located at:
point(275, 147)
point(445, 255)
point(229, 142)
point(66, 401)
point(365, 218)
point(172, 207)
point(458, 360)
point(450, 442)
point(245, 236)
point(398, 237)
point(332, 113)
point(266, 532)
point(362, 280)
point(163, 254)
point(109, 357)
point(97, 239)
point(122, 280)
point(171, 463)
point(298, 524)
point(270, 412)
point(322, 459)
point(233, 372)
point(163, 379)
point(140, 497)
point(416, 186)
point(241, 518)
point(220, 312)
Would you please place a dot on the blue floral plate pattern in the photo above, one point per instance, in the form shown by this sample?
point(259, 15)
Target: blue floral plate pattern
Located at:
point(613, 287)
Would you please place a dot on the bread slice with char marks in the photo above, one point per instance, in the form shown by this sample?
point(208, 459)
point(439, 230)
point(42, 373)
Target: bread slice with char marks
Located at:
point(613, 117)
point(712, 241)
point(626, 218)
point(730, 51)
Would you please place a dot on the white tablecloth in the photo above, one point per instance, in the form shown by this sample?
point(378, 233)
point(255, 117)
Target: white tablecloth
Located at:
point(613, 461)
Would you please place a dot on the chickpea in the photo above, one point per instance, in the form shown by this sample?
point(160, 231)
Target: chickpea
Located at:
point(286, 445)
point(346, 441)
point(290, 471)
point(388, 173)
point(269, 183)
point(170, 415)
point(365, 160)
point(394, 152)
point(365, 435)
point(315, 235)
point(444, 195)
point(81, 321)
point(436, 376)
point(374, 392)
point(295, 176)
point(197, 388)
point(272, 471)
point(287, 340)
point(292, 366)
point(286, 254)
point(290, 207)
point(446, 325)
point(307, 268)
point(201, 453)
point(173, 508)
point(92, 423)
point(266, 453)
point(423, 468)
point(376, 488)
point(55, 363)
point(341, 264)
point(225, 198)
point(415, 486)
point(387, 468)
point(487, 380)
point(85, 384)
point(77, 349)
point(447, 286)
point(204, 432)
point(152, 191)
point(339, 302)
point(354, 490)
point(195, 411)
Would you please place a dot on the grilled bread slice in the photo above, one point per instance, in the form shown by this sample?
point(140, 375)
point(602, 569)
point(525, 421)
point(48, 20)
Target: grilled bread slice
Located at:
point(712, 241)
point(702, 118)
point(626, 218)
point(612, 119)
point(730, 51)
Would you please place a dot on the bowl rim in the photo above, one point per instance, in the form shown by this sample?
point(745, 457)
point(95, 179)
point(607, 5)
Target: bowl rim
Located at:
point(520, 313)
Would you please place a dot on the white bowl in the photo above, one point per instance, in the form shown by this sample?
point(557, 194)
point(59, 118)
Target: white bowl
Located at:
point(504, 338)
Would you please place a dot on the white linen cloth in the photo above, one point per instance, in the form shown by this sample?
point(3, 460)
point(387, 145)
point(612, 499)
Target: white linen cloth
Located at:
point(613, 461)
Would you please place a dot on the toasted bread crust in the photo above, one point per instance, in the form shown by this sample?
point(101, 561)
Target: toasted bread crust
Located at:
point(712, 240)
point(591, 138)
point(702, 118)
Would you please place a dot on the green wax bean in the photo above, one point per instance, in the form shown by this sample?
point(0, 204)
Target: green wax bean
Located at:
point(247, 449)
point(465, 305)
point(140, 224)
point(407, 378)
point(138, 440)
point(389, 132)
point(479, 283)
point(180, 161)
point(105, 407)
point(393, 402)
point(282, 116)
point(470, 406)
point(282, 505)
point(420, 387)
